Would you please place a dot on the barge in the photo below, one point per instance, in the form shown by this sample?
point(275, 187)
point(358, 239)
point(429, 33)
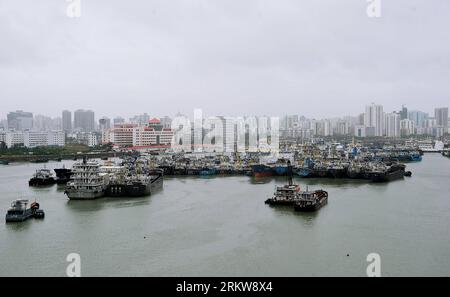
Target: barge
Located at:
point(311, 200)
point(135, 185)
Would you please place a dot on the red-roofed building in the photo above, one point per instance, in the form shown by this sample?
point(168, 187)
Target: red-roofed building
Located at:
point(127, 135)
point(152, 135)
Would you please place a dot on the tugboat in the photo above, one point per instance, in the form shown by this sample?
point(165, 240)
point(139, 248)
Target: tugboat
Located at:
point(290, 194)
point(311, 200)
point(19, 211)
point(285, 195)
point(42, 177)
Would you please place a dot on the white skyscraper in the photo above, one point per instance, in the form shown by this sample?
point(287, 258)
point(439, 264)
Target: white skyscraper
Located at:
point(373, 117)
point(407, 127)
point(392, 125)
point(441, 116)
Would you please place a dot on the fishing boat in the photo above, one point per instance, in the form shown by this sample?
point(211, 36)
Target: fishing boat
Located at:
point(280, 168)
point(261, 170)
point(304, 172)
point(415, 157)
point(87, 181)
point(393, 172)
point(206, 171)
point(337, 171)
point(19, 211)
point(446, 153)
point(42, 177)
point(63, 175)
point(286, 194)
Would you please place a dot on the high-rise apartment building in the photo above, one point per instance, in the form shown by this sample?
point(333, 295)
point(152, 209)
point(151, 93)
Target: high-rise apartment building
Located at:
point(374, 117)
point(84, 120)
point(67, 121)
point(20, 120)
point(392, 125)
point(441, 116)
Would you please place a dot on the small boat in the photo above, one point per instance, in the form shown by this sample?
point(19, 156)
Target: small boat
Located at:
point(284, 195)
point(19, 211)
point(4, 162)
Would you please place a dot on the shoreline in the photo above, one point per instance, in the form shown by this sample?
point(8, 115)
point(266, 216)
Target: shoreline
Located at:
point(53, 157)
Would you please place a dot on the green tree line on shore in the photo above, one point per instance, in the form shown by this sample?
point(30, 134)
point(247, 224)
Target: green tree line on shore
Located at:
point(50, 150)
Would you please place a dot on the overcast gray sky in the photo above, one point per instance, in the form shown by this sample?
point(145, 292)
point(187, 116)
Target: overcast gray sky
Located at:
point(320, 58)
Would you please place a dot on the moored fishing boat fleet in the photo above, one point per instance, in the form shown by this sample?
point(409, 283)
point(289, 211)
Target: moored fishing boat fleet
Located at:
point(320, 161)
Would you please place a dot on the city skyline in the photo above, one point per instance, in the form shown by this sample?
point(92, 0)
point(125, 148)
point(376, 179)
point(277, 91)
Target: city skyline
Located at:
point(133, 116)
point(142, 130)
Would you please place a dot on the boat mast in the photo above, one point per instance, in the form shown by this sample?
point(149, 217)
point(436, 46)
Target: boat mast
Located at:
point(289, 172)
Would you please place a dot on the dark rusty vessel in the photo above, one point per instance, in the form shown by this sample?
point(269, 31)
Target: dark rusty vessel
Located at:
point(311, 200)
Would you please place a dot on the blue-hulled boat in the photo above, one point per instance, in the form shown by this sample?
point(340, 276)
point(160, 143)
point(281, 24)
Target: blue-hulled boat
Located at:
point(304, 172)
point(207, 171)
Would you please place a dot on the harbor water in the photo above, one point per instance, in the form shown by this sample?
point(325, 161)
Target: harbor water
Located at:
point(220, 226)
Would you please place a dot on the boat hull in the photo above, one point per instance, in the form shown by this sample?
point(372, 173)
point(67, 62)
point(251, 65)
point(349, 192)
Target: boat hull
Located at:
point(271, 201)
point(281, 170)
point(135, 189)
point(388, 176)
point(84, 195)
point(261, 171)
point(311, 207)
point(35, 182)
point(19, 217)
point(304, 172)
